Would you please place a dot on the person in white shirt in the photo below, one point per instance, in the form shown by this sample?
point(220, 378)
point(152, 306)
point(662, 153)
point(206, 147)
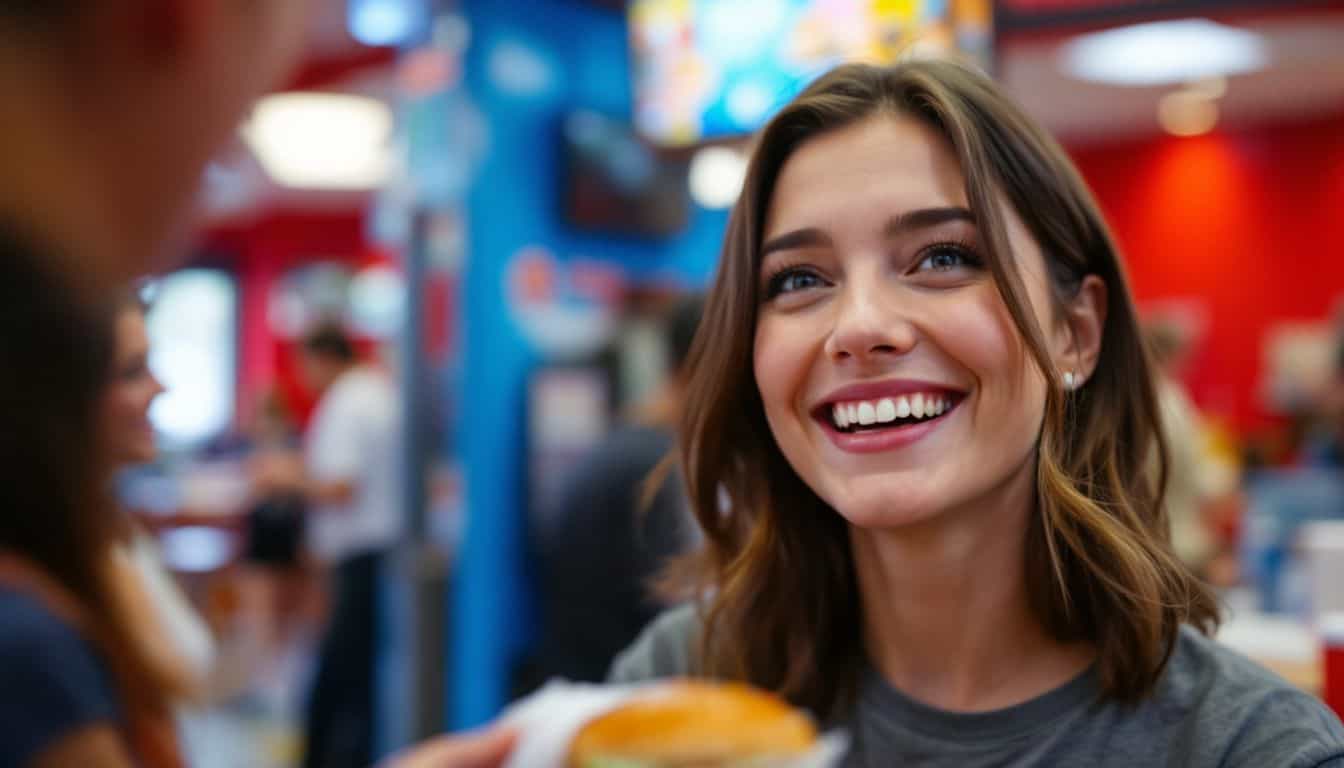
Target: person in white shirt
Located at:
point(351, 484)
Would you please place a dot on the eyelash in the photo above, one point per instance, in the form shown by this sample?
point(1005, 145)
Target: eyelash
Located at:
point(774, 282)
point(967, 254)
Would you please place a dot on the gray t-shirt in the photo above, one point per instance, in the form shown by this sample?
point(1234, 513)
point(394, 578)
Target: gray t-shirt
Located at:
point(1211, 707)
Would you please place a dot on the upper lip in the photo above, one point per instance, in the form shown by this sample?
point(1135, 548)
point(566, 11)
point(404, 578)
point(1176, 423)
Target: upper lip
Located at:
point(875, 390)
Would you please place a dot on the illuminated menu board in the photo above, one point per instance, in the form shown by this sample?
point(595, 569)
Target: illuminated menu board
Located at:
point(710, 68)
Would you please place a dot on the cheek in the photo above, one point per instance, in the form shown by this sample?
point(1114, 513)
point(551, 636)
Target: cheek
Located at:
point(987, 342)
point(780, 364)
point(980, 336)
point(128, 404)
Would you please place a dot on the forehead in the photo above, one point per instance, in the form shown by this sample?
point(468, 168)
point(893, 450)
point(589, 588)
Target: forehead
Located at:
point(857, 176)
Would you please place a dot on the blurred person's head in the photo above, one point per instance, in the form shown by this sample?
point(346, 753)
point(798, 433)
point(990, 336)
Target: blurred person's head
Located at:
point(327, 352)
point(910, 229)
point(132, 388)
point(1168, 343)
point(114, 107)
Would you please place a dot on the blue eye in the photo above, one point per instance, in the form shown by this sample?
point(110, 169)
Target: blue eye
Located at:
point(791, 281)
point(946, 257)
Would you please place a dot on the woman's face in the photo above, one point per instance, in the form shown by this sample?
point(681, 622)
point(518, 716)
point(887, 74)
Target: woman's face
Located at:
point(133, 388)
point(892, 375)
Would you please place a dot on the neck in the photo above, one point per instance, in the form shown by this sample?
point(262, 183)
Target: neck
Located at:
point(947, 617)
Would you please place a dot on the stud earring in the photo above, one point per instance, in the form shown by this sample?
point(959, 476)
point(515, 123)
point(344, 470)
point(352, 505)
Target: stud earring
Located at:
point(1070, 382)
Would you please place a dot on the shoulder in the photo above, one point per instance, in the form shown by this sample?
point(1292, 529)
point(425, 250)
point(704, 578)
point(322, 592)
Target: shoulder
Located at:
point(32, 633)
point(359, 396)
point(64, 685)
point(362, 386)
point(1257, 717)
point(663, 649)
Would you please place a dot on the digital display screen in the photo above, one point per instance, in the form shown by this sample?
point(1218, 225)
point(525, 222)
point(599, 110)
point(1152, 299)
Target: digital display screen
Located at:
point(710, 68)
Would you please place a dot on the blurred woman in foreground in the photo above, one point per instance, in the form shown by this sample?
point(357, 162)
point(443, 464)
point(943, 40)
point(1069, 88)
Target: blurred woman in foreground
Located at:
point(79, 679)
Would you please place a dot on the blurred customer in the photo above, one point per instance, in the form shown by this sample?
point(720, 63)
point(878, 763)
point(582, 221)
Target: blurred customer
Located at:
point(183, 645)
point(351, 484)
point(607, 544)
point(113, 109)
point(111, 112)
point(1190, 473)
point(274, 583)
point(81, 681)
point(1324, 438)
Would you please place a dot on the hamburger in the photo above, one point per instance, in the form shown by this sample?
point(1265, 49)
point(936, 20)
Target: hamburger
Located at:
point(695, 725)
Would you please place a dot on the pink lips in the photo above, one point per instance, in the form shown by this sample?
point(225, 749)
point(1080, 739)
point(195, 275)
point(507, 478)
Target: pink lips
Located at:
point(891, 438)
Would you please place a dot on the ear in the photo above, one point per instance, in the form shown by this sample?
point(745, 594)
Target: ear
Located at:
point(1082, 322)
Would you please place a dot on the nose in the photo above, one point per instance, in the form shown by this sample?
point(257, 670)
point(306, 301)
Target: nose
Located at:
point(870, 323)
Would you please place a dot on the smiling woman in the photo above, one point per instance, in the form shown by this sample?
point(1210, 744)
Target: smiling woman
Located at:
point(939, 450)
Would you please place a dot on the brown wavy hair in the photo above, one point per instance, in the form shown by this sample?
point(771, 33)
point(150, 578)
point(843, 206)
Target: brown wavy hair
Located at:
point(775, 580)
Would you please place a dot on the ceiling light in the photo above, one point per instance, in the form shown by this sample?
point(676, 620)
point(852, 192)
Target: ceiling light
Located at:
point(1187, 113)
point(716, 176)
point(321, 140)
point(386, 22)
point(1163, 53)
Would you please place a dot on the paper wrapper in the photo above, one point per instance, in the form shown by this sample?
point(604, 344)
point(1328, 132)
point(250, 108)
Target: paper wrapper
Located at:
point(548, 720)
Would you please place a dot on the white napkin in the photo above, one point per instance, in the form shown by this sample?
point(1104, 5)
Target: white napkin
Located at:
point(548, 720)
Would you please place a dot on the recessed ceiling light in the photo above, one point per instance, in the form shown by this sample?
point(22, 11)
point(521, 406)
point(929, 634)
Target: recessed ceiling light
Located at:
point(321, 140)
point(1164, 53)
point(716, 176)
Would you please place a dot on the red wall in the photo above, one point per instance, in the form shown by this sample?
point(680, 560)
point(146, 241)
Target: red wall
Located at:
point(1251, 220)
point(259, 252)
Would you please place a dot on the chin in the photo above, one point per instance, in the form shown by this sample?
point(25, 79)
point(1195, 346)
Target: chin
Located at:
point(885, 502)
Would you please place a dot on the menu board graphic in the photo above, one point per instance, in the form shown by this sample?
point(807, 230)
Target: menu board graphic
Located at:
point(710, 68)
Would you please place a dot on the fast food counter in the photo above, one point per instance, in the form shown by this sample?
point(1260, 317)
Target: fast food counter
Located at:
point(1285, 645)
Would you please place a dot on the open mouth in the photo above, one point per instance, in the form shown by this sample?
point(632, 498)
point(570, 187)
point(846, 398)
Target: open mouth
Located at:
point(858, 416)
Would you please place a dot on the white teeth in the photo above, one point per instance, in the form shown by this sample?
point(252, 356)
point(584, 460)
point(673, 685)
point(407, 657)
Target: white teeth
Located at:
point(841, 417)
point(886, 410)
point(867, 414)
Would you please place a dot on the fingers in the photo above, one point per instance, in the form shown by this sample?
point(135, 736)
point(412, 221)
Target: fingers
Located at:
point(483, 749)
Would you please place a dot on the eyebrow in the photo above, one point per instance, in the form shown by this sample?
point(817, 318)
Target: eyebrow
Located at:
point(925, 218)
point(922, 218)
